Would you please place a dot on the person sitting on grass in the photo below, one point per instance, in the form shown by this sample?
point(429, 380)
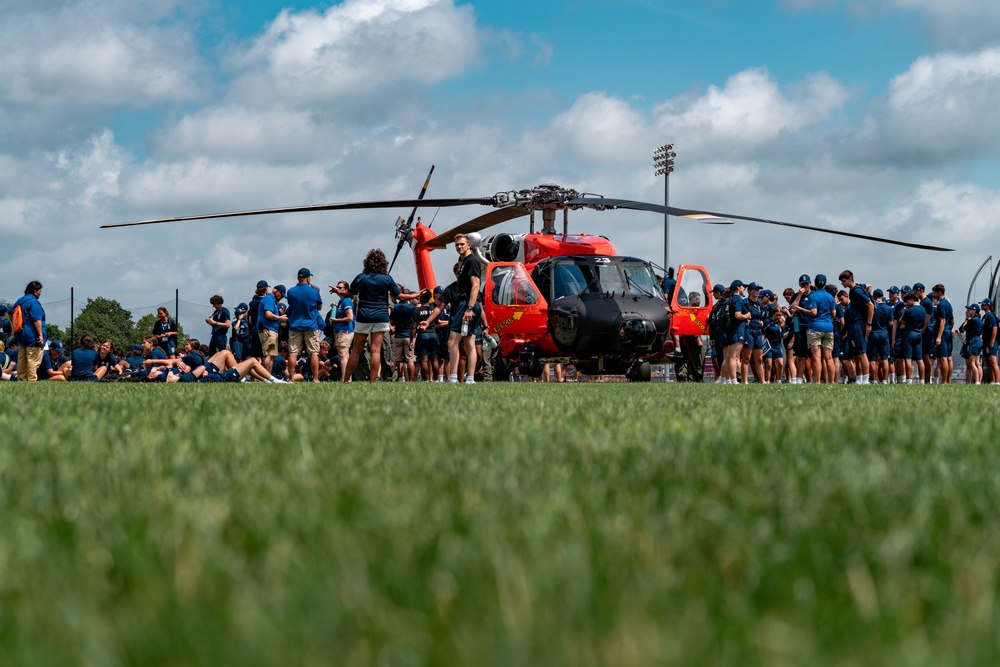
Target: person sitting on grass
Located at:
point(106, 364)
point(84, 361)
point(134, 358)
point(55, 366)
point(154, 355)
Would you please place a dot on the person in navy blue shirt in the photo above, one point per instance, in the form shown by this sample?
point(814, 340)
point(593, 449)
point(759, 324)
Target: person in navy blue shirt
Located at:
point(165, 330)
point(990, 330)
point(735, 336)
point(220, 322)
point(252, 311)
point(878, 339)
point(5, 328)
point(403, 344)
point(55, 366)
point(911, 324)
point(972, 328)
point(858, 320)
point(941, 323)
point(373, 287)
point(926, 365)
point(84, 361)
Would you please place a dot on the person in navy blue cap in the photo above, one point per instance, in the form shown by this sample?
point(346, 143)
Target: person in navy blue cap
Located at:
point(752, 355)
point(55, 366)
point(239, 339)
point(269, 316)
point(252, 312)
point(735, 336)
point(858, 321)
point(5, 328)
point(878, 349)
point(941, 323)
point(911, 326)
point(972, 329)
point(927, 335)
point(715, 337)
point(990, 326)
point(304, 322)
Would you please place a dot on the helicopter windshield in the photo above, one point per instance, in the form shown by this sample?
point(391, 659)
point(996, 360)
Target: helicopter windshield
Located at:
point(604, 274)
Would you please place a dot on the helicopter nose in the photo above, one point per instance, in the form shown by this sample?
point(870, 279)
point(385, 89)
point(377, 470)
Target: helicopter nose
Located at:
point(637, 333)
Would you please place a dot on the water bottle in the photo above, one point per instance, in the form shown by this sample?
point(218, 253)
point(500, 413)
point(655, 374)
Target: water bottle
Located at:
point(465, 328)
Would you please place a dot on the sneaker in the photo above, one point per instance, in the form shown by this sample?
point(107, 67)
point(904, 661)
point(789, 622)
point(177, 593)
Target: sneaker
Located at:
point(470, 380)
point(277, 380)
point(452, 381)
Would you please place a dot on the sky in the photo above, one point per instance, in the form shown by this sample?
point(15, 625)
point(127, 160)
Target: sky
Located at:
point(874, 116)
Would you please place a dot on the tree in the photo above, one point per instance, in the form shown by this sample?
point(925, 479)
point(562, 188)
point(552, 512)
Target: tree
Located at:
point(53, 332)
point(105, 318)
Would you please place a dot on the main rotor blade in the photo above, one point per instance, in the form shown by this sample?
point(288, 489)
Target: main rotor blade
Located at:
point(420, 197)
point(395, 203)
point(685, 212)
point(476, 224)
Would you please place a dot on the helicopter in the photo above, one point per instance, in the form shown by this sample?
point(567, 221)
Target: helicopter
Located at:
point(551, 295)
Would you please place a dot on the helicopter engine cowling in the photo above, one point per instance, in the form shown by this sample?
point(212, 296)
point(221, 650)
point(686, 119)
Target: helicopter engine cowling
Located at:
point(503, 247)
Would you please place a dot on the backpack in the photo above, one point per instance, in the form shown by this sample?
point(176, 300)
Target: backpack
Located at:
point(17, 319)
point(328, 330)
point(721, 317)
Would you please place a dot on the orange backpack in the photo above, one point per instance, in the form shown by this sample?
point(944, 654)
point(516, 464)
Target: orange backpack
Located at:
point(17, 320)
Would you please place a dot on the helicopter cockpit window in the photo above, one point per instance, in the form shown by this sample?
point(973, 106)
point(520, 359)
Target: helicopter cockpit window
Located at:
point(512, 287)
point(569, 280)
point(641, 280)
point(692, 291)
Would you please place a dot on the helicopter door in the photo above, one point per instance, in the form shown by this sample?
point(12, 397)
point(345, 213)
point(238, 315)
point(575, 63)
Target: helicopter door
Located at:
point(691, 302)
point(513, 303)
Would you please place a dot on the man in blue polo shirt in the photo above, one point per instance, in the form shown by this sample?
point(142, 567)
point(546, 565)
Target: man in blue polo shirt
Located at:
point(926, 365)
point(304, 322)
point(878, 340)
point(268, 319)
point(819, 306)
point(31, 339)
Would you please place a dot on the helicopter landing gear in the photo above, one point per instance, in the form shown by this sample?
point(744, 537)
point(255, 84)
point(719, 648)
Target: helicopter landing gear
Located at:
point(528, 363)
point(502, 369)
point(639, 372)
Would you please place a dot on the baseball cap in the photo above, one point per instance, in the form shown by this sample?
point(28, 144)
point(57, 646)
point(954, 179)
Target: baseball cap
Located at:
point(893, 290)
point(986, 302)
point(305, 273)
point(768, 293)
point(804, 279)
point(56, 345)
point(137, 347)
point(3, 308)
point(917, 286)
point(717, 287)
point(438, 290)
point(753, 286)
point(262, 283)
point(973, 306)
point(281, 288)
point(820, 278)
point(877, 293)
point(736, 283)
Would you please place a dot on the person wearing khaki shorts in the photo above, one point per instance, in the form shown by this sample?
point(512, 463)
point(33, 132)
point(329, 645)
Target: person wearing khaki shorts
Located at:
point(304, 323)
point(268, 318)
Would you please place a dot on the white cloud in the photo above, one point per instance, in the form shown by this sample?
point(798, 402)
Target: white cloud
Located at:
point(356, 49)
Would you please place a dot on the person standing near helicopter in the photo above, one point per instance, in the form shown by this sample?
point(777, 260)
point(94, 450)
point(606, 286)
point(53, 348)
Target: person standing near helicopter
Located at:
point(466, 312)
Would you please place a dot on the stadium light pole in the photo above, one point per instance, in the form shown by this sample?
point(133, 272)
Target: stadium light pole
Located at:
point(663, 160)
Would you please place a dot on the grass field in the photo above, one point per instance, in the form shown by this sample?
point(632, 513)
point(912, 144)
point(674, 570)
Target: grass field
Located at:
point(506, 524)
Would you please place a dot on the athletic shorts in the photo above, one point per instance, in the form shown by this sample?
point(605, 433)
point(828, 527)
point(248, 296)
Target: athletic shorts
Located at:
point(737, 335)
point(368, 328)
point(799, 346)
point(268, 342)
point(443, 335)
point(401, 350)
point(426, 345)
point(947, 346)
point(910, 347)
point(928, 346)
point(878, 346)
point(776, 352)
point(819, 339)
point(975, 346)
point(303, 342)
point(855, 343)
point(755, 339)
point(987, 351)
point(458, 315)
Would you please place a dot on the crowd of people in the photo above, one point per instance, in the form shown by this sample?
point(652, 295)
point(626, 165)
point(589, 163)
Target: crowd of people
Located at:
point(854, 334)
point(281, 335)
point(378, 328)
